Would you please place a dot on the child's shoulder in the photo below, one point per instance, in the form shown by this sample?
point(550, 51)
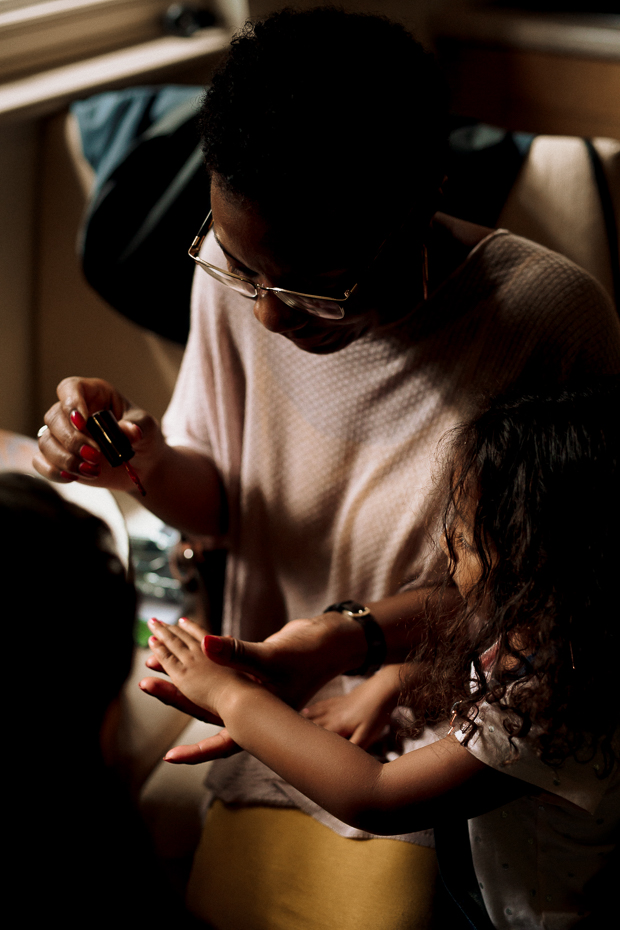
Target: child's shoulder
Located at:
point(584, 782)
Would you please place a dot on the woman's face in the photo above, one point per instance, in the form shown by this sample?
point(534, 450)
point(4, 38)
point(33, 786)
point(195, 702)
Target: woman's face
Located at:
point(254, 250)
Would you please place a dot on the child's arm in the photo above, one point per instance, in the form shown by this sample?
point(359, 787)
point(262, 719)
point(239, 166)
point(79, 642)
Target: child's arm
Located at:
point(363, 714)
point(386, 799)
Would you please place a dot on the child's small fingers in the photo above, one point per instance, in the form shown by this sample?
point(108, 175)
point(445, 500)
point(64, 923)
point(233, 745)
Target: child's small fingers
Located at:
point(195, 631)
point(175, 638)
point(160, 649)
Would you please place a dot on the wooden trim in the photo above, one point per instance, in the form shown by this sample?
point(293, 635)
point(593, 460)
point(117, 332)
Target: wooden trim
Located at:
point(534, 91)
point(584, 35)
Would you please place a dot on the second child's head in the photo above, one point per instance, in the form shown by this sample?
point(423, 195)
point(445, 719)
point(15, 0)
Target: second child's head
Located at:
point(531, 527)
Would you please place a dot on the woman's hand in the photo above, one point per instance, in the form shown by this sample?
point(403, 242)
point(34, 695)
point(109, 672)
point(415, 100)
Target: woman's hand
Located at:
point(68, 453)
point(363, 714)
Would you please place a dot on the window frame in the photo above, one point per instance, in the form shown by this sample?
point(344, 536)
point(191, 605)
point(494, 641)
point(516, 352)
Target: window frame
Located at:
point(45, 35)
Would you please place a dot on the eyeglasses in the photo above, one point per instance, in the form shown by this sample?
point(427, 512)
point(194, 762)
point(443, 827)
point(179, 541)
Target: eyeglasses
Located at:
point(330, 308)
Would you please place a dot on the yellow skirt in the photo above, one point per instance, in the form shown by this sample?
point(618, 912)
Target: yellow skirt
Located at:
point(267, 868)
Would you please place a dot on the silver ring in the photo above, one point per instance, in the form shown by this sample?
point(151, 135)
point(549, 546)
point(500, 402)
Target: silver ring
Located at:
point(41, 431)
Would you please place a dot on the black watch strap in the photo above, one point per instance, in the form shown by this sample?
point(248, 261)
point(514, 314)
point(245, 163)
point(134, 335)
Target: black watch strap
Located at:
point(377, 648)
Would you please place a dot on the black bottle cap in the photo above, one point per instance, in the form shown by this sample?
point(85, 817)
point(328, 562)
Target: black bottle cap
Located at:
point(103, 427)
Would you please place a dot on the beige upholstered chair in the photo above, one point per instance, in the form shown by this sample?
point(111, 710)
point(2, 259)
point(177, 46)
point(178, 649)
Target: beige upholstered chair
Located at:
point(555, 201)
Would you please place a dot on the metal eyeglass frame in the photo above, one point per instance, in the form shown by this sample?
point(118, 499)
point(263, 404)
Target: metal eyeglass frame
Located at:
point(286, 296)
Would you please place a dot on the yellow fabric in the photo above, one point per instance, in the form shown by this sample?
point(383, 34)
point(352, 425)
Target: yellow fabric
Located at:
point(266, 868)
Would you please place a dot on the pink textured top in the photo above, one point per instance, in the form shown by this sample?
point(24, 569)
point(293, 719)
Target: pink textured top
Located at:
point(328, 460)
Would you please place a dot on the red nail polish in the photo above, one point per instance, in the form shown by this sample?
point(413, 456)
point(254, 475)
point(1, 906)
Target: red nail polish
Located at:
point(78, 420)
point(90, 471)
point(90, 455)
point(67, 476)
point(213, 644)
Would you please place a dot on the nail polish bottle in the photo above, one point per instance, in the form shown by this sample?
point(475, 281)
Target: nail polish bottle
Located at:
point(114, 444)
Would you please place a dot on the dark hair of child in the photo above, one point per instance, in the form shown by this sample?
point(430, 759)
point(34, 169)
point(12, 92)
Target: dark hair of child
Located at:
point(59, 561)
point(77, 845)
point(540, 479)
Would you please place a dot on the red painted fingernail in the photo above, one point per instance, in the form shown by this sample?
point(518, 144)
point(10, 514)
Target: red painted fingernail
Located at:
point(78, 420)
point(90, 471)
point(138, 431)
point(182, 619)
point(67, 476)
point(153, 641)
point(213, 644)
point(91, 455)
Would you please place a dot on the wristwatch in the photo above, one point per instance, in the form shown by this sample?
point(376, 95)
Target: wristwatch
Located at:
point(377, 648)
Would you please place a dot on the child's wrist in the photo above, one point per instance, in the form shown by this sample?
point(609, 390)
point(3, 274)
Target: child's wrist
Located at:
point(235, 697)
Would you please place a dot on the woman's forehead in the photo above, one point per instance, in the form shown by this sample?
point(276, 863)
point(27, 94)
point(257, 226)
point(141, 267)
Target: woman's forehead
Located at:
point(293, 246)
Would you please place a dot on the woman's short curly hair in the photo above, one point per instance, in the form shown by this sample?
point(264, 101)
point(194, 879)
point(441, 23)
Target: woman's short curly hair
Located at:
point(341, 111)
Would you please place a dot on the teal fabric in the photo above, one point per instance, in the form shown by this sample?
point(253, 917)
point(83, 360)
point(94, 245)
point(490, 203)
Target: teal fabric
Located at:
point(112, 122)
point(150, 196)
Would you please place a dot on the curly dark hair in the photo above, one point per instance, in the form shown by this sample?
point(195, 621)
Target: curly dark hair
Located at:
point(540, 478)
point(58, 563)
point(326, 110)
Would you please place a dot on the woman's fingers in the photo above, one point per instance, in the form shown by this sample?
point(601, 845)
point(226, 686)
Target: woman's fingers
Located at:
point(168, 693)
point(61, 453)
point(83, 396)
point(68, 452)
point(218, 746)
point(242, 656)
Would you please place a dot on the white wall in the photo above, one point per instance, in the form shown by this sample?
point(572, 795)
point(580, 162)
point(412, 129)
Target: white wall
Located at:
point(18, 185)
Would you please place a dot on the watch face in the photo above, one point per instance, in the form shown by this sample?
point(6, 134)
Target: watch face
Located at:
point(354, 608)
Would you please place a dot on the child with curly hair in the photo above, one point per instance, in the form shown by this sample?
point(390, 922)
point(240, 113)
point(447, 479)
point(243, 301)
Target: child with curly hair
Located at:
point(518, 680)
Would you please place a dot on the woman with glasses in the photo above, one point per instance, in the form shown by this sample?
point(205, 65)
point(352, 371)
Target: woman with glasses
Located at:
point(340, 325)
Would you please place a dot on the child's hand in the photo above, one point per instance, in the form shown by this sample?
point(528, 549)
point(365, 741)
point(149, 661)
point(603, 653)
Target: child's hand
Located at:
point(180, 654)
point(362, 715)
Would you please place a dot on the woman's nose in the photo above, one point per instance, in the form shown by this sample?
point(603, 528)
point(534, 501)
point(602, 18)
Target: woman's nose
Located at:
point(275, 315)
